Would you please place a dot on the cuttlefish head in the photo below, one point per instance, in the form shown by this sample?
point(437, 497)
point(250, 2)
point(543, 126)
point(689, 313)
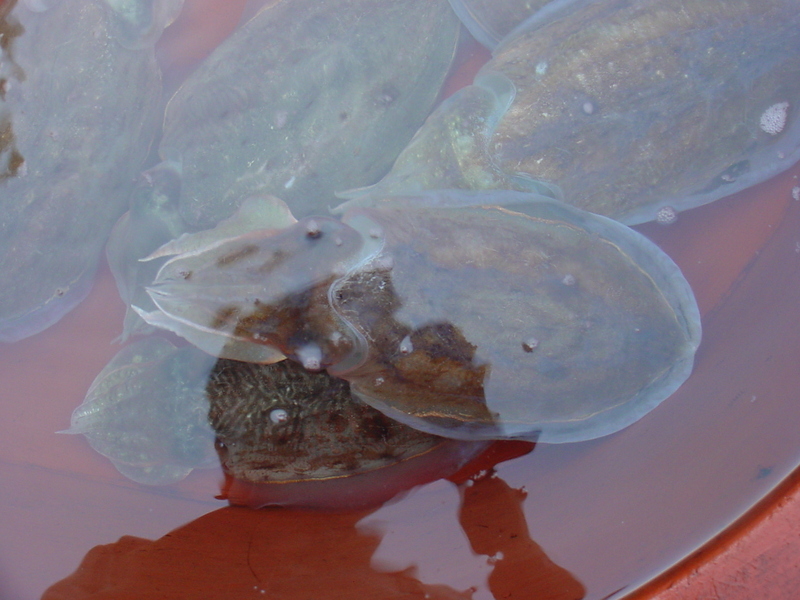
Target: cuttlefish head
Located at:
point(260, 295)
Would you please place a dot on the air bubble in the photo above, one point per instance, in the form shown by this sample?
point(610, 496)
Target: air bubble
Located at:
point(568, 279)
point(310, 356)
point(773, 120)
point(278, 416)
point(666, 215)
point(406, 347)
point(312, 229)
point(530, 344)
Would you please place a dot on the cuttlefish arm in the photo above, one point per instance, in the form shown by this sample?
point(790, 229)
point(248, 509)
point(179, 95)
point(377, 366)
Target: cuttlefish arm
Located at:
point(263, 214)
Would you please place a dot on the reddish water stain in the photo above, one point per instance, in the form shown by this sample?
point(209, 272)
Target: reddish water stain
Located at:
point(200, 27)
point(581, 520)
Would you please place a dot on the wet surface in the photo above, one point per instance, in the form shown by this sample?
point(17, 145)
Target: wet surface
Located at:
point(589, 519)
point(611, 512)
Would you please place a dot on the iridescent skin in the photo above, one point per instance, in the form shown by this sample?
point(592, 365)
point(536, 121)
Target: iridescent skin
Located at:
point(78, 109)
point(468, 315)
point(627, 107)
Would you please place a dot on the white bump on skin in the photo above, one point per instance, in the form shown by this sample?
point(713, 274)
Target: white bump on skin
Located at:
point(773, 120)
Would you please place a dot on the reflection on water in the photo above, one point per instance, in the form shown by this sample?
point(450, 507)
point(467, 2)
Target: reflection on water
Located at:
point(339, 552)
point(598, 517)
point(521, 567)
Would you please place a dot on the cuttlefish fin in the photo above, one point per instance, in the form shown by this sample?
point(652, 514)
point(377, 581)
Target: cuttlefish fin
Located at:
point(258, 212)
point(215, 343)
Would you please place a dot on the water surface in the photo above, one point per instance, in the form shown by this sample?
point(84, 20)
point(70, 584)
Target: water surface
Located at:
point(594, 518)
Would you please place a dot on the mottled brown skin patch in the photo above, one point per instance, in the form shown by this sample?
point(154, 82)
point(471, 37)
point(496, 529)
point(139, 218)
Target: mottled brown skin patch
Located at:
point(225, 317)
point(328, 434)
point(440, 371)
point(238, 255)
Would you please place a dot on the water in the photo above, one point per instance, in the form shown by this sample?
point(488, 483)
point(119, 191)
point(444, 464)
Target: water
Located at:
point(594, 518)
